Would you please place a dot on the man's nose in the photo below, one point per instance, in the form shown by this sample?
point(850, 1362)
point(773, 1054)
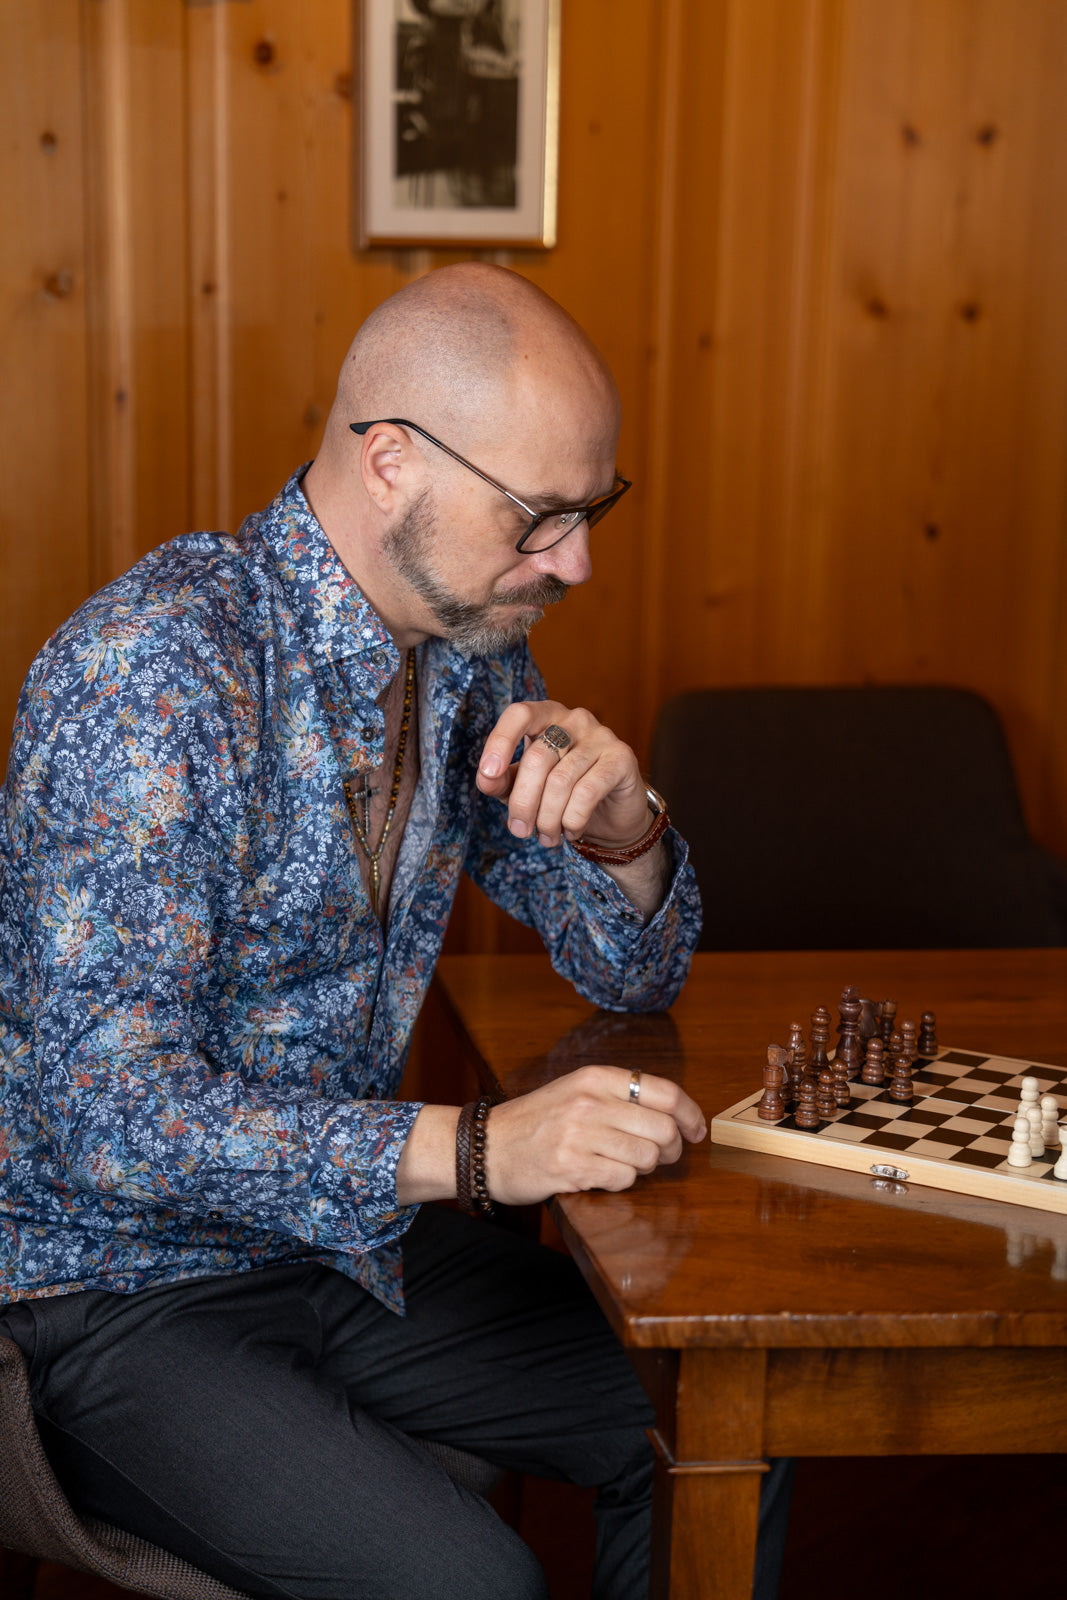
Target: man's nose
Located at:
point(568, 560)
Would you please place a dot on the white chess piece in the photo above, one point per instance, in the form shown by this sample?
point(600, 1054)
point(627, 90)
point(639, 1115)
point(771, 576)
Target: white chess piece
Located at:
point(1060, 1169)
point(1019, 1152)
point(1037, 1130)
point(1050, 1121)
point(1029, 1107)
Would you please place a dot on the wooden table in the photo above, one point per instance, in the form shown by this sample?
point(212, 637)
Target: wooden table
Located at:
point(778, 1308)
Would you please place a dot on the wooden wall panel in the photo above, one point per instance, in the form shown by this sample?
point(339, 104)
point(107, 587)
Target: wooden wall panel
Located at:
point(43, 417)
point(820, 242)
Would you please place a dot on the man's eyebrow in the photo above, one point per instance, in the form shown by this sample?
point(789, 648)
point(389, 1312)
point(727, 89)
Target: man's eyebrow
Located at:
point(550, 500)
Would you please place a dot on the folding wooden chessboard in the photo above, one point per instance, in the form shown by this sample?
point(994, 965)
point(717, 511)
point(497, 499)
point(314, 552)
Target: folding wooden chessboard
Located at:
point(955, 1134)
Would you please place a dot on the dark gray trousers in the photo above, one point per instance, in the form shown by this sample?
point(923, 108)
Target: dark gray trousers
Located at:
point(261, 1425)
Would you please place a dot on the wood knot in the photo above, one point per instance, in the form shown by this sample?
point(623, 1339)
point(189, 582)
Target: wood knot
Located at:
point(970, 311)
point(987, 134)
point(932, 531)
point(48, 141)
point(59, 284)
point(342, 85)
point(263, 53)
point(877, 307)
point(910, 135)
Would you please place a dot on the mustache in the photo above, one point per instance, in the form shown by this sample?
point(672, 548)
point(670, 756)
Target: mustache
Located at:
point(546, 591)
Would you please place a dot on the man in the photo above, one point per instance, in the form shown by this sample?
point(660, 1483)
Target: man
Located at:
point(244, 781)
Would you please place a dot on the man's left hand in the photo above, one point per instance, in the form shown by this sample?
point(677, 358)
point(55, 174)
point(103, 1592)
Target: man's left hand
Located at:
point(593, 788)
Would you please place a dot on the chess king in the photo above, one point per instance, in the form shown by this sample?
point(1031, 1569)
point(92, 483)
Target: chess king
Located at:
point(244, 782)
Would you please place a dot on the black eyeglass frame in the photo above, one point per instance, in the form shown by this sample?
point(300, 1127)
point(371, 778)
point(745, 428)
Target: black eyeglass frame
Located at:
point(591, 513)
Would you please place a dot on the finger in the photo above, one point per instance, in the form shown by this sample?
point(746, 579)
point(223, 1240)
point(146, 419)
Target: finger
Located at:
point(520, 720)
point(645, 1155)
point(543, 801)
point(660, 1094)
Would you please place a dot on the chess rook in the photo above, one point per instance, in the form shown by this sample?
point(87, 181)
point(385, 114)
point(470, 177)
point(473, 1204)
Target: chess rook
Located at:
point(772, 1106)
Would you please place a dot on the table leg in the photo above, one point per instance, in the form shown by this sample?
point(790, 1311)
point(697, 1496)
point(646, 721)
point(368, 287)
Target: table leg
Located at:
point(709, 1467)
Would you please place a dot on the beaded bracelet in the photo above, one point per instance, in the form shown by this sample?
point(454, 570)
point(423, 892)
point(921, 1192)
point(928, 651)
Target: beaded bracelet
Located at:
point(472, 1138)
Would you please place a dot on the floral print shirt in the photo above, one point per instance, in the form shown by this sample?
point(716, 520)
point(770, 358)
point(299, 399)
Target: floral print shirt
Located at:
point(202, 1026)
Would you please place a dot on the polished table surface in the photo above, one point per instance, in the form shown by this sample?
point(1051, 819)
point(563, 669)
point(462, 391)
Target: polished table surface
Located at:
point(787, 1308)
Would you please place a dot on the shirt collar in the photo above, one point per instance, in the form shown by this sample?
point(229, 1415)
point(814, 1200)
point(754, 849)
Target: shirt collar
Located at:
point(335, 618)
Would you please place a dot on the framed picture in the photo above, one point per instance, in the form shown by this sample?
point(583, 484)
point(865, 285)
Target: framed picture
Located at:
point(458, 125)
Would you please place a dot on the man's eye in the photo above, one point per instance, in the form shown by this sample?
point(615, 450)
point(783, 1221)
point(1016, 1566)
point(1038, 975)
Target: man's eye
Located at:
point(567, 519)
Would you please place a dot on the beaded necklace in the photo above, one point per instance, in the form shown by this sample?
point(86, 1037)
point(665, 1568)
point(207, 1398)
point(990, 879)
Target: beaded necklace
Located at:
point(362, 828)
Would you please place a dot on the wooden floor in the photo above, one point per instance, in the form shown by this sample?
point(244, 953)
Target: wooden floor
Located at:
point(953, 1525)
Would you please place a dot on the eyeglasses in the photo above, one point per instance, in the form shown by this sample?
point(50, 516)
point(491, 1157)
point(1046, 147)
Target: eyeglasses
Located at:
point(545, 528)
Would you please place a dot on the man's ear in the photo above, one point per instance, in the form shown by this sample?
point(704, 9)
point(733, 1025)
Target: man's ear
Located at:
point(385, 459)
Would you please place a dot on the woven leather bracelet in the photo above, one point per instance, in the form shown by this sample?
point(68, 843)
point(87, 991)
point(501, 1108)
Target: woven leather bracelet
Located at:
point(605, 856)
point(463, 1157)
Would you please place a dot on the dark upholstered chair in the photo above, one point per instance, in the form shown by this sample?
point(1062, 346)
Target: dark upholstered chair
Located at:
point(878, 818)
point(37, 1520)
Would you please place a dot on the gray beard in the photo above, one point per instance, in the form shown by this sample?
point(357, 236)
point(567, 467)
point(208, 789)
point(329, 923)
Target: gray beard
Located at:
point(472, 627)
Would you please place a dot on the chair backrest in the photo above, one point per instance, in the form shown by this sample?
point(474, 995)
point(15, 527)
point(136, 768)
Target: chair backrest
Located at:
point(879, 818)
point(37, 1519)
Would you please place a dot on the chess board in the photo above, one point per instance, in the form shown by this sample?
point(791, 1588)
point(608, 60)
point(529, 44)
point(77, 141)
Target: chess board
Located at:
point(955, 1134)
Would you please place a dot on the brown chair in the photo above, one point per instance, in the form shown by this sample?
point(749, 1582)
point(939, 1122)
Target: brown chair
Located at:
point(879, 818)
point(37, 1520)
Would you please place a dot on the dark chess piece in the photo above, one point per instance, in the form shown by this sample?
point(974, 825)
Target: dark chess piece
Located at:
point(798, 1050)
point(820, 1038)
point(807, 1112)
point(887, 1019)
point(826, 1097)
point(848, 1048)
point(874, 1066)
point(842, 1097)
point(772, 1107)
point(908, 1045)
point(928, 1035)
point(900, 1088)
point(868, 1024)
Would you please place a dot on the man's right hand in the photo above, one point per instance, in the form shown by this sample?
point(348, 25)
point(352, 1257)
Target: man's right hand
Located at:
point(581, 1131)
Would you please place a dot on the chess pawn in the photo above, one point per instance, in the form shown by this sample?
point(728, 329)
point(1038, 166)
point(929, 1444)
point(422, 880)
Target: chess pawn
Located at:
point(1030, 1108)
point(1050, 1121)
point(842, 1097)
point(900, 1088)
point(887, 1019)
point(868, 1025)
point(928, 1035)
point(807, 1112)
point(820, 1038)
point(772, 1106)
point(826, 1097)
point(1037, 1131)
point(1019, 1152)
point(908, 1032)
point(874, 1066)
point(1060, 1169)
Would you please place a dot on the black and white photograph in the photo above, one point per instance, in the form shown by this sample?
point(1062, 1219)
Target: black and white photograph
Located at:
point(459, 116)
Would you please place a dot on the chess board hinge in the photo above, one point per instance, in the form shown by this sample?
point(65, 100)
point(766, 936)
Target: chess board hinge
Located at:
point(880, 1170)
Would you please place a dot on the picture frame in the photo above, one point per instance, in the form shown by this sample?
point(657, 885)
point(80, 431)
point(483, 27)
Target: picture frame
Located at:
point(457, 125)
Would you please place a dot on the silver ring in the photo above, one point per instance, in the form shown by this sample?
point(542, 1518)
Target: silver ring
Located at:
point(635, 1085)
point(555, 737)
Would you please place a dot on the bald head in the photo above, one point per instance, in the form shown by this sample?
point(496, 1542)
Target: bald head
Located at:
point(473, 352)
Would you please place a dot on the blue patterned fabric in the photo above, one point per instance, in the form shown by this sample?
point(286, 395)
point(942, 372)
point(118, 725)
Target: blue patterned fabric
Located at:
point(202, 1029)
